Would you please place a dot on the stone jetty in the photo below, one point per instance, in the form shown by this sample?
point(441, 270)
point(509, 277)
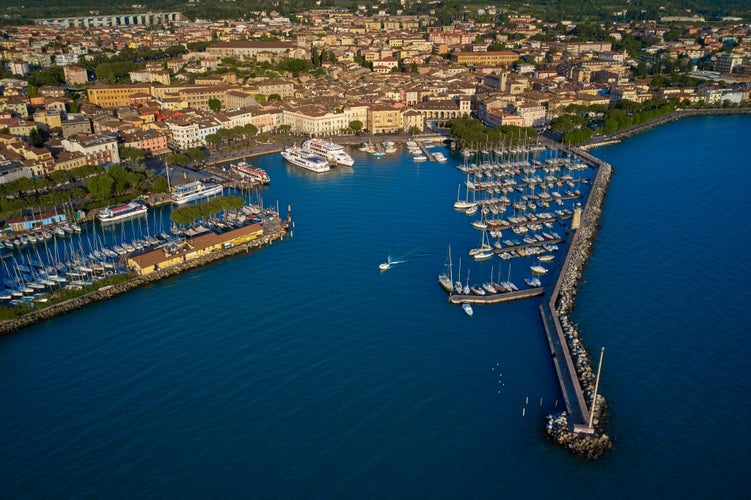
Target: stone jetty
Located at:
point(107, 292)
point(571, 428)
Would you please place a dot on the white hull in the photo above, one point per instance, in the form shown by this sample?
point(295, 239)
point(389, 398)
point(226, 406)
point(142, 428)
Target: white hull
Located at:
point(195, 191)
point(305, 159)
point(122, 212)
point(329, 151)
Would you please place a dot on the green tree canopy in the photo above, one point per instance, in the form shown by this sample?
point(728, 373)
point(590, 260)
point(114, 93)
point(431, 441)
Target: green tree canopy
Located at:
point(100, 186)
point(356, 125)
point(215, 105)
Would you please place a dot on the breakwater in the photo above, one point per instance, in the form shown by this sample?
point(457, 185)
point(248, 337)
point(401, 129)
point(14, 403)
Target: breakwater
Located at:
point(108, 292)
point(572, 361)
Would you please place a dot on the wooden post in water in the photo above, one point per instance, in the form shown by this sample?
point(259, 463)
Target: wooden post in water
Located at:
point(597, 384)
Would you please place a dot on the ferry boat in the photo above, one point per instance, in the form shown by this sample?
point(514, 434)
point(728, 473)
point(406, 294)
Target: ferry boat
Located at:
point(195, 190)
point(248, 171)
point(120, 212)
point(329, 151)
point(306, 159)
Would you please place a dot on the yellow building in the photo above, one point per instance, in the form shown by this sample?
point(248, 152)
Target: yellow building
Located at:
point(490, 58)
point(384, 119)
point(198, 246)
point(108, 96)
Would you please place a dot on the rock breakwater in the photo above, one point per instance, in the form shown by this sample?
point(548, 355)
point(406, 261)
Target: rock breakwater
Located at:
point(577, 437)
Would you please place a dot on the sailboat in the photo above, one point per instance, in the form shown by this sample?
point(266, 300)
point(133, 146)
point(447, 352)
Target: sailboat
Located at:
point(485, 251)
point(465, 205)
point(447, 280)
point(458, 288)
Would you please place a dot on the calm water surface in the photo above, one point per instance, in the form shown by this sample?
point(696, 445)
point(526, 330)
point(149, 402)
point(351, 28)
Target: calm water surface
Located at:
point(301, 371)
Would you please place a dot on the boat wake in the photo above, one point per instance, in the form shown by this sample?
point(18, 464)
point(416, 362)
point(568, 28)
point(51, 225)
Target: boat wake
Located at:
point(384, 266)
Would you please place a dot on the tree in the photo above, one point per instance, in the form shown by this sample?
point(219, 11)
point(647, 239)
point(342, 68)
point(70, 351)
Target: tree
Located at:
point(35, 137)
point(178, 159)
point(196, 154)
point(260, 98)
point(48, 77)
point(215, 105)
point(250, 130)
point(641, 69)
point(100, 186)
point(356, 125)
point(275, 97)
point(132, 154)
point(59, 176)
point(120, 179)
point(160, 185)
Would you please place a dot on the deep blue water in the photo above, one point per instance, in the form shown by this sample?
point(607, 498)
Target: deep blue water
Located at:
point(301, 371)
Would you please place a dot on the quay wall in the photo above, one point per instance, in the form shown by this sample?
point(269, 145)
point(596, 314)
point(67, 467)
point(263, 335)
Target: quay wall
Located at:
point(10, 326)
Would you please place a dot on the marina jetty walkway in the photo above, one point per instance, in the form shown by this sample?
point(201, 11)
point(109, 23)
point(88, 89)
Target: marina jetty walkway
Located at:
point(425, 151)
point(496, 298)
point(107, 292)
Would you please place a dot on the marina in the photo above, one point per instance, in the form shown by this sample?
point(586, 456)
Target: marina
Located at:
point(78, 256)
point(419, 367)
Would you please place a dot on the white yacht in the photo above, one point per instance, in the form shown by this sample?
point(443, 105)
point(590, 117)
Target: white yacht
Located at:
point(329, 151)
point(195, 190)
point(306, 159)
point(120, 212)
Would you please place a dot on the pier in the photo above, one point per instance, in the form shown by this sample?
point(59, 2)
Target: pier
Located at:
point(425, 151)
point(496, 298)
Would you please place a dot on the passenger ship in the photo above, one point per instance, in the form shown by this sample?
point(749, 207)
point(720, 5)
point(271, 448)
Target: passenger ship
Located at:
point(195, 190)
point(120, 212)
point(248, 171)
point(329, 151)
point(306, 159)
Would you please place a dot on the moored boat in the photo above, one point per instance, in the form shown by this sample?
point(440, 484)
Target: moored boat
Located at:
point(306, 159)
point(467, 308)
point(538, 269)
point(195, 190)
point(329, 151)
point(248, 171)
point(120, 212)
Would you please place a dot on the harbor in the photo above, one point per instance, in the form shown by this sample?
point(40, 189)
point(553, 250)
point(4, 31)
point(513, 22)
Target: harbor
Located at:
point(360, 358)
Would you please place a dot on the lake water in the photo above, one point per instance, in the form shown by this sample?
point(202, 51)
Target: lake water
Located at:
point(302, 371)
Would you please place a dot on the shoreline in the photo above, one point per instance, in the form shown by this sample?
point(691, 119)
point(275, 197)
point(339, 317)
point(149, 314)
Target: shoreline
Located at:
point(674, 116)
point(107, 292)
